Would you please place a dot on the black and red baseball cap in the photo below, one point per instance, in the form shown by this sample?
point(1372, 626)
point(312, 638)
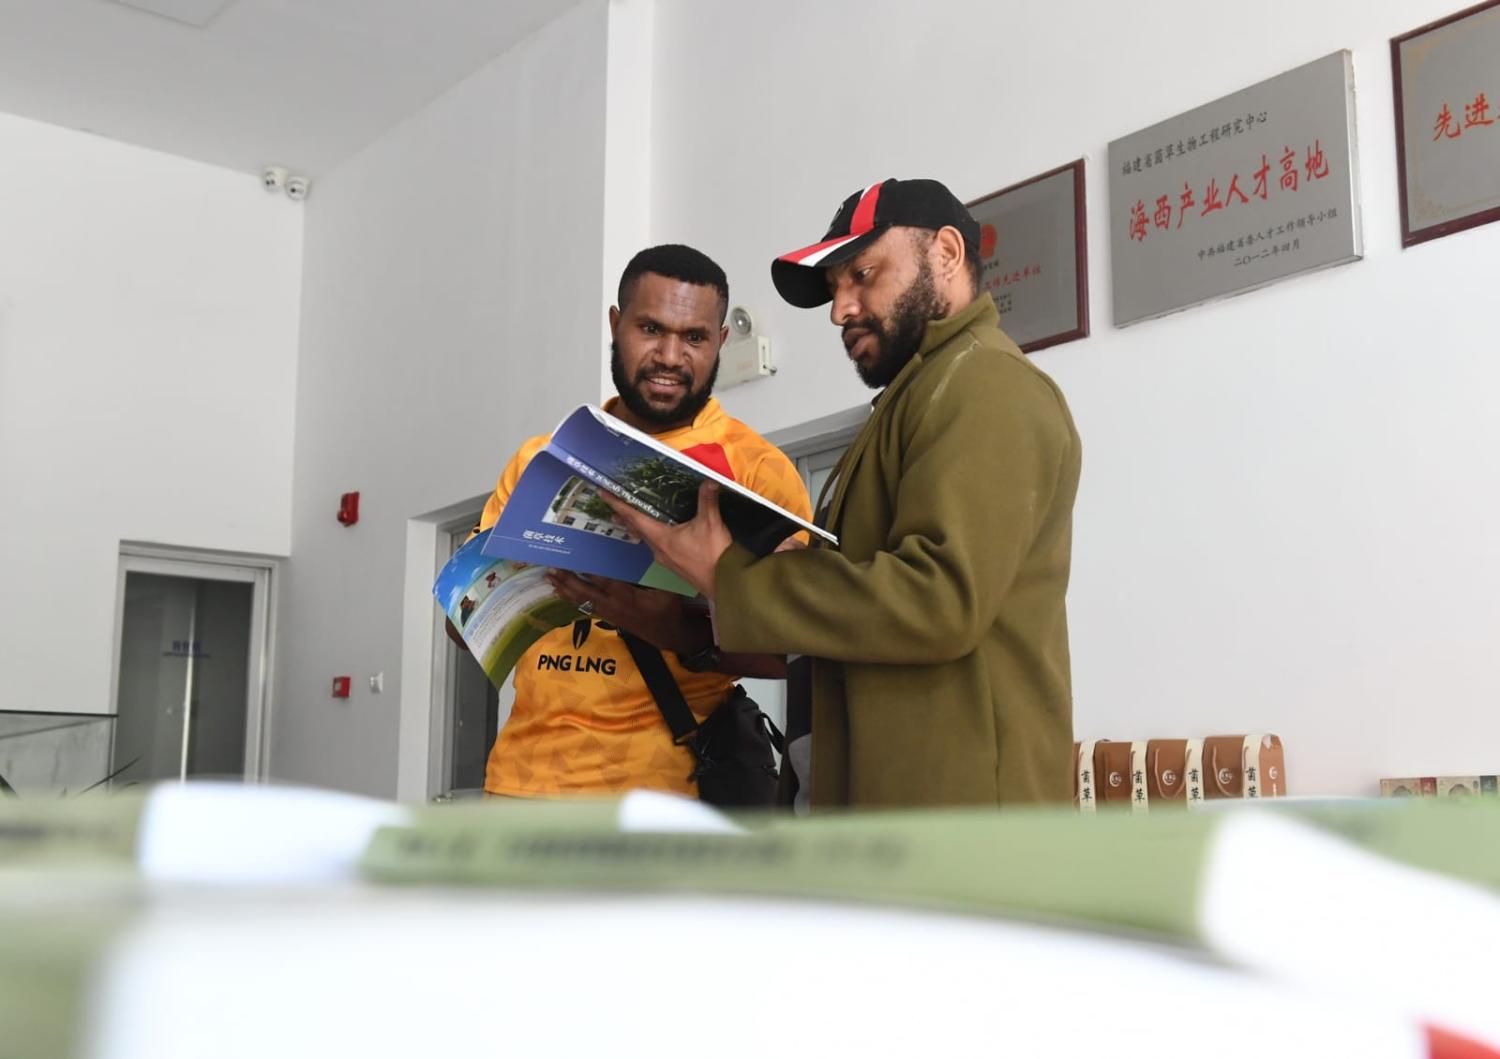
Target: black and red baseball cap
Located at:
point(863, 218)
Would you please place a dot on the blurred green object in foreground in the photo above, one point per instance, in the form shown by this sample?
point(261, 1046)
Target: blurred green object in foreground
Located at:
point(87, 828)
point(1139, 872)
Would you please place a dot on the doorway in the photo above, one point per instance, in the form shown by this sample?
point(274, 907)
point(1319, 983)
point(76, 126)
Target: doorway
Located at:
point(191, 668)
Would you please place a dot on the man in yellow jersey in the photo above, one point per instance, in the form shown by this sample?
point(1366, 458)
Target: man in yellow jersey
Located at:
point(584, 721)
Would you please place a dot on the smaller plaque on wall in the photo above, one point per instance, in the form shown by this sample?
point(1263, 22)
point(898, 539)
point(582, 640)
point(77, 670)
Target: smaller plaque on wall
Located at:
point(1033, 252)
point(1447, 128)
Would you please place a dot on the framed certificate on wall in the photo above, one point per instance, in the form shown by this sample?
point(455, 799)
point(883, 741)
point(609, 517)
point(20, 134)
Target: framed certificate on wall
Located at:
point(1033, 250)
point(1447, 127)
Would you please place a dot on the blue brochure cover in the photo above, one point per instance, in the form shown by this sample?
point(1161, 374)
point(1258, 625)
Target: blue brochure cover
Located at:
point(501, 608)
point(556, 518)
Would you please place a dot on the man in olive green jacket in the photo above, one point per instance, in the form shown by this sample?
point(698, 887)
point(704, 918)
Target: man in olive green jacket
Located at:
point(937, 628)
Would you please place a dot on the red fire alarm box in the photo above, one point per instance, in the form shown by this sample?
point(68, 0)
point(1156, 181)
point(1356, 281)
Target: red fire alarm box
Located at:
point(349, 508)
point(341, 687)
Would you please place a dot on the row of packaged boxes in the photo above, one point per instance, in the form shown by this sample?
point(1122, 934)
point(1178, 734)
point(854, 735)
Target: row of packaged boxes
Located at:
point(1144, 773)
point(1439, 787)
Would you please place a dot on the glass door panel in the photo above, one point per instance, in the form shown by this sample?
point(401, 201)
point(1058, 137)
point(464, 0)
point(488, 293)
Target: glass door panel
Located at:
point(183, 678)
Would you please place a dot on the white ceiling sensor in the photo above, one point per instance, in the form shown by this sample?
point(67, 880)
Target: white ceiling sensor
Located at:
point(197, 13)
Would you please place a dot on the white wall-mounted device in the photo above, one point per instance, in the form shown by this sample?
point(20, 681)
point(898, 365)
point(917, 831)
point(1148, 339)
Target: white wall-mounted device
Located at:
point(745, 355)
point(276, 178)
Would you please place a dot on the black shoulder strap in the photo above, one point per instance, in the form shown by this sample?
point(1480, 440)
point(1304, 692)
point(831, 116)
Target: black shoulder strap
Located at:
point(653, 667)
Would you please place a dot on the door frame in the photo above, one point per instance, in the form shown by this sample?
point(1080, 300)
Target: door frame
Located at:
point(260, 573)
point(423, 722)
point(444, 675)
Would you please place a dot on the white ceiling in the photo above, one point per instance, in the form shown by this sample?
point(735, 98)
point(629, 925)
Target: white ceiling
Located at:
point(299, 83)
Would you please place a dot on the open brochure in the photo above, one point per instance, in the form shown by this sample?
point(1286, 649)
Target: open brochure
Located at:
point(500, 607)
point(555, 516)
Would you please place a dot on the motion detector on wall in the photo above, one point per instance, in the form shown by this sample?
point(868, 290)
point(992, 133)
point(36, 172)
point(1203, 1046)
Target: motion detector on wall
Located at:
point(297, 187)
point(273, 178)
point(746, 355)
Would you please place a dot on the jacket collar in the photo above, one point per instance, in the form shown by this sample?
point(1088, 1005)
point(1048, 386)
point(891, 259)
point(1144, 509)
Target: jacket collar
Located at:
point(981, 311)
point(938, 332)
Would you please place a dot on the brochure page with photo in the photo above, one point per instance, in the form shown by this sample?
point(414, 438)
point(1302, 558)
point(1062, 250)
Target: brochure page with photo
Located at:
point(556, 517)
point(500, 607)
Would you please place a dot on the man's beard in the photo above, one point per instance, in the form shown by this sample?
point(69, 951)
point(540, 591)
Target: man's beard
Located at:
point(686, 409)
point(900, 337)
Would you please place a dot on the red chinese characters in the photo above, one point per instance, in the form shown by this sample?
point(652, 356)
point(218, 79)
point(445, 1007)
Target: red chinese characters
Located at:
point(1289, 170)
point(1446, 125)
point(1476, 115)
point(1317, 165)
point(1186, 203)
point(1211, 198)
point(1216, 197)
point(1009, 279)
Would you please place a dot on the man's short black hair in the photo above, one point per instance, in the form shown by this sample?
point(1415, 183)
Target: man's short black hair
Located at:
point(675, 261)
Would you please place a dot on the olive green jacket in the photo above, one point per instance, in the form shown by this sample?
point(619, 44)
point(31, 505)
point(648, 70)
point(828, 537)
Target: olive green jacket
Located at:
point(937, 627)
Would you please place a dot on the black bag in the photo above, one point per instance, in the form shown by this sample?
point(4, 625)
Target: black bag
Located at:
point(732, 747)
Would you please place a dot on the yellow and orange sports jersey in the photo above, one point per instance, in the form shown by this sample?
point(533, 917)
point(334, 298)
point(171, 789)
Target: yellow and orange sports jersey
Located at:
point(584, 721)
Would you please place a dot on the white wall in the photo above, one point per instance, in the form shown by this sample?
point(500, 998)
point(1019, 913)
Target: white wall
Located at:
point(148, 343)
point(627, 150)
point(450, 309)
point(1289, 518)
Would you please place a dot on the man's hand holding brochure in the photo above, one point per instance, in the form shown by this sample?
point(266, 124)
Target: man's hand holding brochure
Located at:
point(494, 589)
